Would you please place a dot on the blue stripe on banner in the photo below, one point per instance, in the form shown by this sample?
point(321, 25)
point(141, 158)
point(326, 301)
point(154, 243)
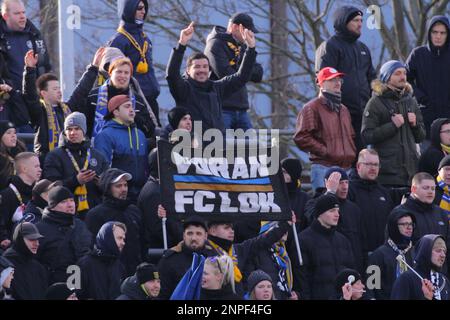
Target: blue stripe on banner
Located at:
point(209, 179)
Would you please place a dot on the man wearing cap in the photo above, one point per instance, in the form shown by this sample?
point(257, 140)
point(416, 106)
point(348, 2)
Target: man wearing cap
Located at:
point(31, 277)
point(123, 144)
point(325, 251)
point(117, 207)
point(39, 200)
point(429, 217)
point(393, 125)
point(66, 238)
point(196, 92)
point(76, 164)
point(177, 260)
point(225, 49)
point(14, 198)
point(324, 128)
point(337, 183)
point(344, 52)
point(143, 285)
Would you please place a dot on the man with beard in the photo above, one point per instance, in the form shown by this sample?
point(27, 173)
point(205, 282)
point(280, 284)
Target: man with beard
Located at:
point(430, 257)
point(116, 207)
point(344, 52)
point(177, 260)
point(66, 238)
point(393, 125)
point(203, 97)
point(31, 278)
point(324, 128)
point(101, 270)
point(400, 228)
point(14, 198)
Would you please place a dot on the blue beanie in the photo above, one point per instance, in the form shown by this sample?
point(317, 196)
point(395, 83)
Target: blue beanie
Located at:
point(388, 69)
point(344, 175)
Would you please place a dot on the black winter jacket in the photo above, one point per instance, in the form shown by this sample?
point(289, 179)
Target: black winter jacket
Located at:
point(66, 240)
point(225, 56)
point(429, 73)
point(204, 100)
point(325, 253)
point(429, 160)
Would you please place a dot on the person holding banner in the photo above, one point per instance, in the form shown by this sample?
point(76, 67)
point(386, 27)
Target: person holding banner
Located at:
point(197, 93)
point(177, 260)
point(221, 239)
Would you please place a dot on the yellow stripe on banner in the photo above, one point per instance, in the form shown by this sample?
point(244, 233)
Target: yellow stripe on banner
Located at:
point(222, 187)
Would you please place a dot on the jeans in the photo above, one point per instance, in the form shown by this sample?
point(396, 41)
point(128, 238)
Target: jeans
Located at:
point(236, 119)
point(318, 175)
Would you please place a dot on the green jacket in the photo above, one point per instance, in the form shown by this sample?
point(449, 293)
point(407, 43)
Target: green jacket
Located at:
point(397, 147)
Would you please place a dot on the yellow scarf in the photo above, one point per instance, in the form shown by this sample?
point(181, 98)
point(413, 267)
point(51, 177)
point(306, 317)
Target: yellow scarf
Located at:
point(232, 255)
point(142, 66)
point(237, 52)
point(81, 191)
point(54, 130)
point(445, 148)
point(445, 201)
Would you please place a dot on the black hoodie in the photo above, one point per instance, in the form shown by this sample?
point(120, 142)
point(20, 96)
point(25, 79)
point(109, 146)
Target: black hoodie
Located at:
point(385, 256)
point(429, 73)
point(347, 54)
point(113, 209)
point(224, 62)
point(408, 286)
point(30, 277)
point(429, 160)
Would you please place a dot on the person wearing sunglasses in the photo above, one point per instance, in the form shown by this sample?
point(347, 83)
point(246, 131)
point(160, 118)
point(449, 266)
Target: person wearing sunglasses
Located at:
point(136, 45)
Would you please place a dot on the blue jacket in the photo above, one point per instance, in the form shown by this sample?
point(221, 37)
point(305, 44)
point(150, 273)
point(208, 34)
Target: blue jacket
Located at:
point(125, 148)
point(147, 81)
point(429, 73)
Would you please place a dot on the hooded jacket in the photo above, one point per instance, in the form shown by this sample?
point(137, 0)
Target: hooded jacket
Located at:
point(325, 253)
point(9, 204)
point(66, 239)
point(147, 81)
point(429, 160)
point(396, 147)
point(225, 61)
point(113, 209)
point(429, 218)
point(408, 286)
point(204, 100)
point(101, 270)
point(428, 69)
point(125, 148)
point(347, 54)
point(30, 277)
point(132, 290)
point(385, 256)
point(58, 166)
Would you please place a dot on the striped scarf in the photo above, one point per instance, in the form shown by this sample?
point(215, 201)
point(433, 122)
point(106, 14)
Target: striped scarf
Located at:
point(445, 201)
point(281, 259)
point(54, 129)
point(231, 253)
point(101, 110)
